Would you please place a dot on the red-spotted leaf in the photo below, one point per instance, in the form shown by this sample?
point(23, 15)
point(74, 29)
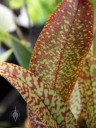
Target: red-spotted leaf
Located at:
point(23, 81)
point(87, 85)
point(62, 45)
point(43, 102)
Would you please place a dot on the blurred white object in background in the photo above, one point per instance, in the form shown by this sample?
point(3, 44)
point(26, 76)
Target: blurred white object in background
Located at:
point(7, 19)
point(23, 19)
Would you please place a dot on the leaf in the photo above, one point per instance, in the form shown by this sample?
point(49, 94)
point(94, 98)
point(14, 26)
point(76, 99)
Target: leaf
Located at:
point(87, 85)
point(4, 124)
point(39, 97)
point(63, 44)
point(22, 83)
point(39, 10)
point(4, 37)
point(2, 110)
point(16, 4)
point(36, 12)
point(94, 39)
point(94, 43)
point(22, 53)
point(7, 21)
point(6, 55)
point(75, 106)
point(93, 2)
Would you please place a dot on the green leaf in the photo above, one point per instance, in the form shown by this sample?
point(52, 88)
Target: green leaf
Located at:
point(93, 2)
point(4, 37)
point(21, 52)
point(4, 124)
point(16, 4)
point(22, 126)
point(5, 56)
point(94, 17)
point(36, 13)
point(38, 10)
point(94, 43)
point(2, 110)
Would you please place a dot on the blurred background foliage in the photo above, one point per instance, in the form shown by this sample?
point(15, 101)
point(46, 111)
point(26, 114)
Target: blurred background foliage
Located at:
point(26, 14)
point(38, 10)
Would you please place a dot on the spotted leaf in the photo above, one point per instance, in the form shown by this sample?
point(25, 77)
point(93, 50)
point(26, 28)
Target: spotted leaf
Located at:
point(87, 85)
point(62, 45)
point(22, 81)
point(49, 107)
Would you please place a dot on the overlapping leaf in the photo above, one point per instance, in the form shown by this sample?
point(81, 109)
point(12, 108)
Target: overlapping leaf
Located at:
point(62, 45)
point(75, 101)
point(39, 97)
point(6, 55)
point(87, 85)
point(22, 53)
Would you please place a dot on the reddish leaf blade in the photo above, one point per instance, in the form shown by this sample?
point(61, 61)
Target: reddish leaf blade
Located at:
point(20, 78)
point(41, 98)
point(62, 45)
point(87, 85)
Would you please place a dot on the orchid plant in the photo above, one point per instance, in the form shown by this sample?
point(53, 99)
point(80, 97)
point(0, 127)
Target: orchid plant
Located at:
point(62, 58)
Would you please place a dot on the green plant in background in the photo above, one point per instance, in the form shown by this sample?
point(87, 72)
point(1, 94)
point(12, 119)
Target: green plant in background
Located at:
point(38, 10)
point(15, 45)
point(19, 49)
